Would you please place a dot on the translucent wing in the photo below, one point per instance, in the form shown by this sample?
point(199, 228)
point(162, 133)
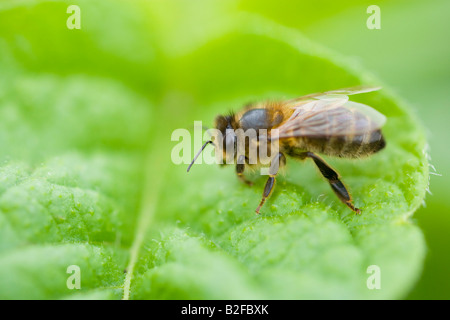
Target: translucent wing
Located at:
point(330, 114)
point(339, 92)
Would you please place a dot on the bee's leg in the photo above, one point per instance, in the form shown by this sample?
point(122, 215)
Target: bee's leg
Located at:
point(240, 167)
point(277, 162)
point(333, 178)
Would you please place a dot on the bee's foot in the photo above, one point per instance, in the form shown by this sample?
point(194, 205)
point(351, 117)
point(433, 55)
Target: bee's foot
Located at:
point(353, 208)
point(260, 205)
point(356, 210)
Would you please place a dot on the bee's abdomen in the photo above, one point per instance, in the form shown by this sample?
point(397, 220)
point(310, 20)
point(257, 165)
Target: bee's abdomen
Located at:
point(359, 146)
point(344, 146)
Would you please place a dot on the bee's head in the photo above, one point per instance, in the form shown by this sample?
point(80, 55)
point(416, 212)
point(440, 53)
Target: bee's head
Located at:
point(227, 139)
point(226, 125)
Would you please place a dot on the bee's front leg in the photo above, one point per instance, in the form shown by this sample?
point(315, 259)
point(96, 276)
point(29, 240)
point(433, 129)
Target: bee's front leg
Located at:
point(278, 161)
point(240, 167)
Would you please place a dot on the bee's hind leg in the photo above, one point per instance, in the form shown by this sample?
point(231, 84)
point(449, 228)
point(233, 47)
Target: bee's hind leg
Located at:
point(333, 178)
point(278, 161)
point(240, 167)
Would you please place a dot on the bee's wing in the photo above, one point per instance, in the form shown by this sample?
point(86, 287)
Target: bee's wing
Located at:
point(344, 91)
point(329, 115)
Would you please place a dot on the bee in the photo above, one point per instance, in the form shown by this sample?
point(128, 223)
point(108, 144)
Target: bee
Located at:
point(325, 123)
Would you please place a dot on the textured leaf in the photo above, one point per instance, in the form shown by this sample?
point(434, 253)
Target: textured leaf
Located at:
point(86, 177)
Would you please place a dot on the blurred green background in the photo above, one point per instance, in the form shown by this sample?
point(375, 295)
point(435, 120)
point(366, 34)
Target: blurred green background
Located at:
point(410, 53)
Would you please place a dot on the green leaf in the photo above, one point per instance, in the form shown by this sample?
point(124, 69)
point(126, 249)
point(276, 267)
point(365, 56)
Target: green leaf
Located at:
point(70, 182)
point(86, 177)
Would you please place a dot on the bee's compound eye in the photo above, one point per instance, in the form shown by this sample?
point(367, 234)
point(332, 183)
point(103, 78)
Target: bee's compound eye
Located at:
point(229, 143)
point(230, 140)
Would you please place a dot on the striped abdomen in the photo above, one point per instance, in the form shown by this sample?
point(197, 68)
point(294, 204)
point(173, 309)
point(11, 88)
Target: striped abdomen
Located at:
point(337, 146)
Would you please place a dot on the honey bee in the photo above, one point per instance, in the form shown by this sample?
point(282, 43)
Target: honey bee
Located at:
point(325, 123)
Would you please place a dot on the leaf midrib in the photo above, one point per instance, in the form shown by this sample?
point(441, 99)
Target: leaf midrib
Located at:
point(148, 205)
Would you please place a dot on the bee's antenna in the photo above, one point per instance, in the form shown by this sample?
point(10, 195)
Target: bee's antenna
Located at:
point(198, 153)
